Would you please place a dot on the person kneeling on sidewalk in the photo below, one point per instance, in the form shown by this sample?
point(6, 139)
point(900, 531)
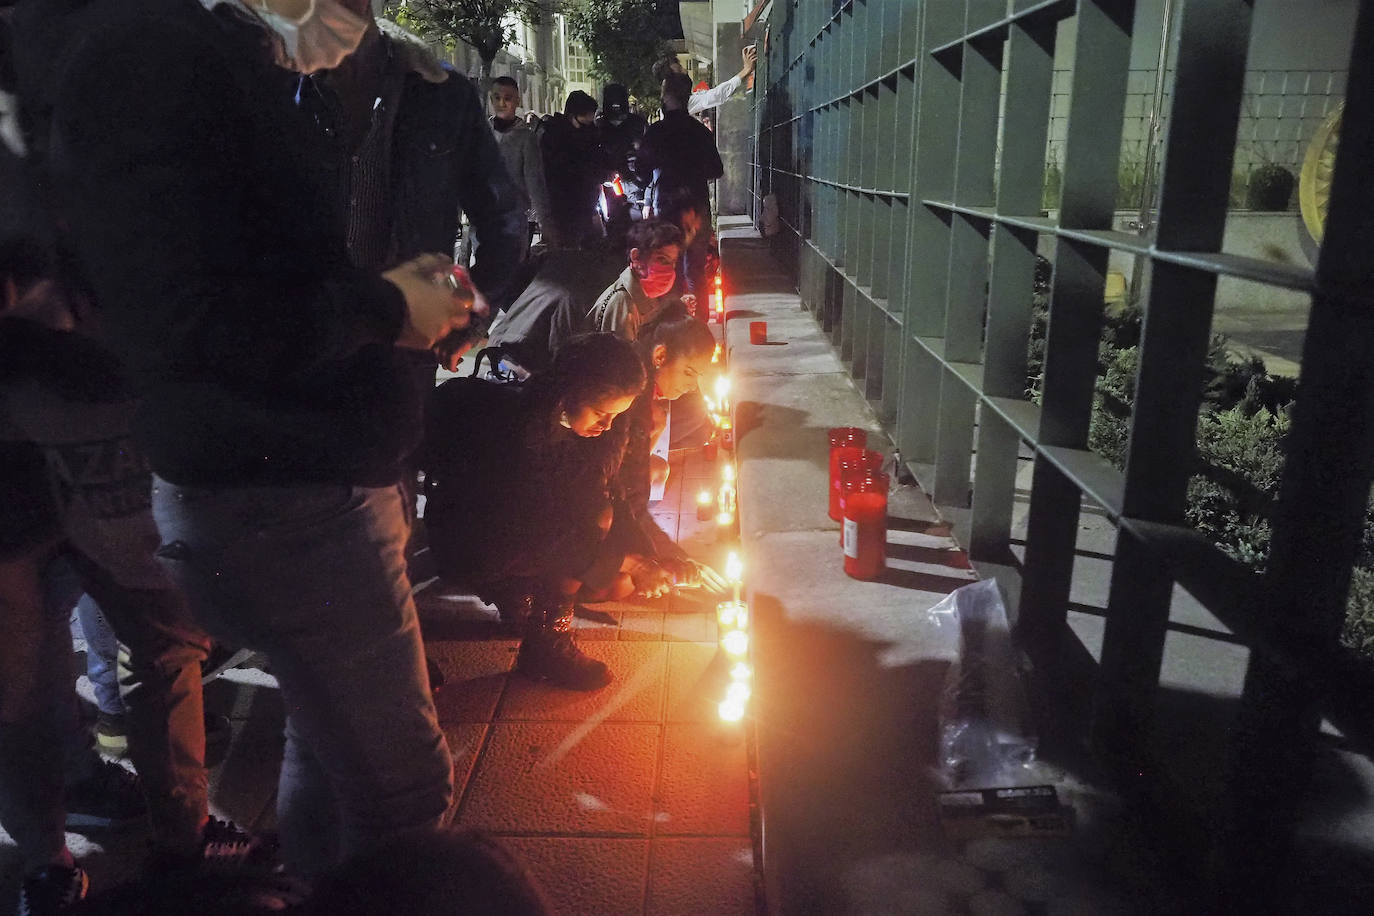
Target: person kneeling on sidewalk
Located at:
point(520, 492)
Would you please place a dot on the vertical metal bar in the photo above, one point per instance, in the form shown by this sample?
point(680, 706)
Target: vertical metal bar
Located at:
point(1102, 44)
point(1030, 70)
point(954, 441)
point(1319, 518)
point(1213, 38)
point(980, 83)
point(920, 403)
point(1144, 222)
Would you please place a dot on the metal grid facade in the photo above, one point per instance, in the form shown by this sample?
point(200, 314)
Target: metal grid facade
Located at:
point(904, 143)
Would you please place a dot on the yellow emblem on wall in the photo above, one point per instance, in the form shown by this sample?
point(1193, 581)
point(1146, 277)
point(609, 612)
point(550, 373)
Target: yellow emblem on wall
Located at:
point(1314, 185)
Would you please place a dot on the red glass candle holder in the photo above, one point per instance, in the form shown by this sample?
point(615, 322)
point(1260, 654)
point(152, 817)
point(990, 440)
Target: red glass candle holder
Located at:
point(709, 450)
point(853, 469)
point(758, 332)
point(842, 437)
point(865, 527)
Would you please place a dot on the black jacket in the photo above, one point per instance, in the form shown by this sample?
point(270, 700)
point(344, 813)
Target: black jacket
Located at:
point(214, 250)
point(683, 152)
point(574, 166)
point(443, 161)
point(509, 492)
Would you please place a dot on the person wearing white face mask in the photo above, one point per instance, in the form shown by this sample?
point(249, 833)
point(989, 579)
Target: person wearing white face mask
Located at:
point(277, 411)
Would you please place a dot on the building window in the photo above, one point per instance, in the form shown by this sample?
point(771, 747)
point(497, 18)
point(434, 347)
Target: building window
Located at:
point(579, 62)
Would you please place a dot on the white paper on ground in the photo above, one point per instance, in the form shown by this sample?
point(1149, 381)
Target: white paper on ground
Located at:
point(660, 449)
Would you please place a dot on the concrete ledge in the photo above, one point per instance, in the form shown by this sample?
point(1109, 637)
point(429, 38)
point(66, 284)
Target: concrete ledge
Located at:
point(847, 694)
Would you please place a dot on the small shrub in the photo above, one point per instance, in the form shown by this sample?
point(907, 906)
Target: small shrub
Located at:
point(1271, 186)
point(1358, 633)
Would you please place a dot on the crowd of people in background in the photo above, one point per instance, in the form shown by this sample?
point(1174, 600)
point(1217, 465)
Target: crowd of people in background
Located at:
point(227, 260)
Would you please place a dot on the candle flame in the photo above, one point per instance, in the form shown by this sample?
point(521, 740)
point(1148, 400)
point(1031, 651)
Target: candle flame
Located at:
point(736, 644)
point(730, 711)
point(728, 614)
point(704, 498)
point(725, 518)
point(734, 567)
point(741, 672)
point(722, 388)
point(728, 473)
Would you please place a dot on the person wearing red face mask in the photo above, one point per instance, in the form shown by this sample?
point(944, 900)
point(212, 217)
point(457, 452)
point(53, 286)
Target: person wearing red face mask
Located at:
point(642, 290)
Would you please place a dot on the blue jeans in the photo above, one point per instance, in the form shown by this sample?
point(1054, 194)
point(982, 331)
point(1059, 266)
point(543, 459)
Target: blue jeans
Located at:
point(314, 577)
point(102, 654)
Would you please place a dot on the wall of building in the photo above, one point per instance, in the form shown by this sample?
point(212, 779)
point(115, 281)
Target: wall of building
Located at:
point(1296, 75)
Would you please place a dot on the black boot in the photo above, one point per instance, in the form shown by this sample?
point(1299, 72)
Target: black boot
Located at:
point(549, 652)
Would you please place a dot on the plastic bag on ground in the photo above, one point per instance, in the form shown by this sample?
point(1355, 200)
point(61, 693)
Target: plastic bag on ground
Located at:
point(986, 738)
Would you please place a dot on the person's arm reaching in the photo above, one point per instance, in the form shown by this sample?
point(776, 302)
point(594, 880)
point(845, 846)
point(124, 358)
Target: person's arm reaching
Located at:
point(711, 98)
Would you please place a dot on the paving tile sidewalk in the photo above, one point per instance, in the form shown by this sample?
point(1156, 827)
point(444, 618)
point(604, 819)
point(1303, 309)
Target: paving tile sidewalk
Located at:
point(631, 800)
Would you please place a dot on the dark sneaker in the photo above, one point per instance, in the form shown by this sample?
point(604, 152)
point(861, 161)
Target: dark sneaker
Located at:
point(112, 734)
point(552, 655)
point(111, 798)
point(225, 848)
point(53, 889)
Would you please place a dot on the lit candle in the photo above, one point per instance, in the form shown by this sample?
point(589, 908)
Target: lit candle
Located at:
point(704, 506)
point(730, 710)
point(736, 644)
point(723, 393)
point(741, 671)
point(734, 571)
point(727, 473)
point(726, 503)
point(728, 615)
point(725, 518)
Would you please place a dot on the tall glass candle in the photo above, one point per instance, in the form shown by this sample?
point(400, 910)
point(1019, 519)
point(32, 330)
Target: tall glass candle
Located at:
point(842, 437)
point(865, 527)
point(853, 468)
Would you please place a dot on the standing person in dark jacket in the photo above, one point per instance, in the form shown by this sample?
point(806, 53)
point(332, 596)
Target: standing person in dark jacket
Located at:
point(574, 167)
point(406, 144)
point(276, 411)
point(678, 155)
point(520, 492)
point(519, 150)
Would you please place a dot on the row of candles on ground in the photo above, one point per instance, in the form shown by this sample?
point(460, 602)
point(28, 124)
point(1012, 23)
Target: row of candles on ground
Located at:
point(732, 621)
point(858, 501)
point(722, 505)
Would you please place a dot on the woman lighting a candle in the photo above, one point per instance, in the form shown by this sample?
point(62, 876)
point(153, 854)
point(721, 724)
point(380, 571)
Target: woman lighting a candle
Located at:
point(676, 350)
point(522, 492)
